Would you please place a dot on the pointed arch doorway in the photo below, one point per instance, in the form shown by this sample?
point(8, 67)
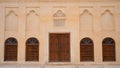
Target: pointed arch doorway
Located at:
point(59, 47)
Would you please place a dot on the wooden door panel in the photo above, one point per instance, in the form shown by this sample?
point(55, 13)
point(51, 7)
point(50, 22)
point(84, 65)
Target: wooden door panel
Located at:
point(65, 48)
point(53, 48)
point(59, 47)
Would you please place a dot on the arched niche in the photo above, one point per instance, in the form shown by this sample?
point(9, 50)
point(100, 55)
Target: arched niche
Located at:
point(32, 21)
point(107, 20)
point(59, 13)
point(86, 21)
point(11, 21)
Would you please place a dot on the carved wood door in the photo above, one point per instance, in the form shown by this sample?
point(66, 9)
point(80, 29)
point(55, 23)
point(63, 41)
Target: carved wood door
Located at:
point(59, 47)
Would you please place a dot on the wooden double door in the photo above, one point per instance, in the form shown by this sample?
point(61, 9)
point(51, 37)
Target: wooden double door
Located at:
point(59, 47)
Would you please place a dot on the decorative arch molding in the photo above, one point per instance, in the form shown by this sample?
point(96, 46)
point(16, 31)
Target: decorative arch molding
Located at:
point(86, 11)
point(11, 41)
point(32, 41)
point(86, 41)
point(107, 11)
point(32, 12)
point(108, 41)
point(59, 13)
point(11, 12)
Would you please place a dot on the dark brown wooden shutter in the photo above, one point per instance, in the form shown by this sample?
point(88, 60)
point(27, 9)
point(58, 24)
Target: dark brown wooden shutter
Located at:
point(86, 50)
point(32, 49)
point(10, 50)
point(108, 49)
point(59, 48)
point(32, 53)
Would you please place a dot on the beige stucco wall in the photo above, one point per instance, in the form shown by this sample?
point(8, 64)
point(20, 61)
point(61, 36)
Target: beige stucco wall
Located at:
point(44, 11)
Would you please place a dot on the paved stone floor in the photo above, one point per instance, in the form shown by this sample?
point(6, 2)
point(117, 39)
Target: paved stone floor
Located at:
point(55, 66)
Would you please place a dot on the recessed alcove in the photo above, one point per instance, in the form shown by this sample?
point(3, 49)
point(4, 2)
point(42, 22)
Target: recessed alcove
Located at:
point(107, 19)
point(86, 21)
